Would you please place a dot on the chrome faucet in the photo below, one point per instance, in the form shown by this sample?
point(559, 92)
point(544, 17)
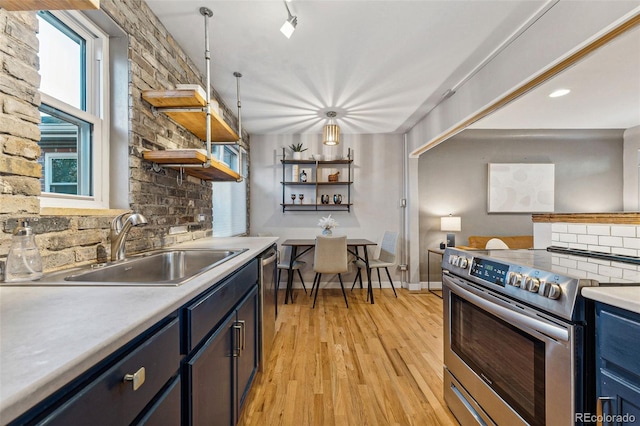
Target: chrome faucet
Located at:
point(119, 231)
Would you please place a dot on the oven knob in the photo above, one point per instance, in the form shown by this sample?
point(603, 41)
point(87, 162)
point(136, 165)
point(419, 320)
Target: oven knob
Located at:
point(463, 262)
point(552, 291)
point(515, 279)
point(532, 284)
point(453, 259)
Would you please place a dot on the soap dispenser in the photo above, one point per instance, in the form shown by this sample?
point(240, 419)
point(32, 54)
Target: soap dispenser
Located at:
point(23, 261)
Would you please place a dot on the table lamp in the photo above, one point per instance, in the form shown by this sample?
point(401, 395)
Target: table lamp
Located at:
point(450, 224)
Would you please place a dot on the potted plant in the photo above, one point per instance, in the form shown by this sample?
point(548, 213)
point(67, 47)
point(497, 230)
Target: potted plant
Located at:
point(297, 150)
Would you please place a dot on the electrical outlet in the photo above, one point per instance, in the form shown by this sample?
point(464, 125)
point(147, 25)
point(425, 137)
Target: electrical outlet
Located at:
point(201, 217)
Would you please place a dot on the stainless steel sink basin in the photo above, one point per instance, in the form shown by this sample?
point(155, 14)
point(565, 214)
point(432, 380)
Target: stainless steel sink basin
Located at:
point(157, 268)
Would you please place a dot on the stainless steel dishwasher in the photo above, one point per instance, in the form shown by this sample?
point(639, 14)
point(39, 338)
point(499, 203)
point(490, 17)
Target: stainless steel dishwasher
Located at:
point(268, 301)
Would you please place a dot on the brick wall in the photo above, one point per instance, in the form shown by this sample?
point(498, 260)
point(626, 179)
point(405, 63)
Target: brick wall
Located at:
point(155, 62)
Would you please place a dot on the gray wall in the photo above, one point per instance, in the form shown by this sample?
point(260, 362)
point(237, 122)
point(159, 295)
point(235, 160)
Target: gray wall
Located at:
point(376, 190)
point(453, 179)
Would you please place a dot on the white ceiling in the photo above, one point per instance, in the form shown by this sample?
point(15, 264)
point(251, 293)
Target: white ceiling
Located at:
point(605, 94)
point(379, 64)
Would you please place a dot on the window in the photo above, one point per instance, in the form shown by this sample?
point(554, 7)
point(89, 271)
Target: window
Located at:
point(74, 131)
point(230, 198)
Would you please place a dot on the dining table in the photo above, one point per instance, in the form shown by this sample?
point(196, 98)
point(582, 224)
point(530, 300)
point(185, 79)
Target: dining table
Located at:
point(301, 246)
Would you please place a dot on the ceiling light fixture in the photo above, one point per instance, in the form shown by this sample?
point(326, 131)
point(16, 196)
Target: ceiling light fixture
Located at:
point(559, 92)
point(331, 131)
point(290, 24)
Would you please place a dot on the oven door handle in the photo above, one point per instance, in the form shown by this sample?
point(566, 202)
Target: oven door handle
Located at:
point(508, 315)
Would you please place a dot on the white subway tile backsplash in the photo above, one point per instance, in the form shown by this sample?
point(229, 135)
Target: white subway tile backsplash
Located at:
point(588, 239)
point(555, 236)
point(559, 227)
point(598, 229)
point(630, 275)
point(610, 241)
point(623, 230)
point(576, 273)
point(572, 238)
point(588, 266)
point(624, 251)
point(608, 271)
point(631, 243)
point(578, 246)
point(623, 265)
point(569, 263)
point(577, 228)
point(560, 244)
point(600, 249)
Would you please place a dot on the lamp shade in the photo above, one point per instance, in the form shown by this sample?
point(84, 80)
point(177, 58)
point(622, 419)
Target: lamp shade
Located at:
point(331, 134)
point(450, 223)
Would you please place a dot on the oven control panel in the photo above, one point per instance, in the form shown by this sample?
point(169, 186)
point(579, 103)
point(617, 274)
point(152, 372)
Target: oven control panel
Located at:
point(489, 270)
point(512, 272)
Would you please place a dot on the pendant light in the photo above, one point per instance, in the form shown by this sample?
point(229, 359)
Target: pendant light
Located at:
point(331, 131)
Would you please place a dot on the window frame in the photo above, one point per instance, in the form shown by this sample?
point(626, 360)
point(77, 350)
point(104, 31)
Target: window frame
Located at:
point(241, 167)
point(97, 112)
point(48, 159)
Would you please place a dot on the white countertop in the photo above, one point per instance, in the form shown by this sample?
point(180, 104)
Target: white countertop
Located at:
point(627, 297)
point(50, 335)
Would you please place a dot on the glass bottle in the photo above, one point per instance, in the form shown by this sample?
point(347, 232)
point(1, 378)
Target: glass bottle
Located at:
point(23, 261)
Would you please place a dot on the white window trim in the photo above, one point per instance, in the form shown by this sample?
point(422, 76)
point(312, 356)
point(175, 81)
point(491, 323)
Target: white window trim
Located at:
point(48, 157)
point(97, 114)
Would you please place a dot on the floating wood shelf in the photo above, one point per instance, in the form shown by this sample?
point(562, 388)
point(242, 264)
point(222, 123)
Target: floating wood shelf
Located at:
point(194, 121)
point(218, 171)
point(49, 4)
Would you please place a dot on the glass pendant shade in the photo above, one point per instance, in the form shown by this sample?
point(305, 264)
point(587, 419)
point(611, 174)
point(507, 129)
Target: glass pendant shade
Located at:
point(331, 134)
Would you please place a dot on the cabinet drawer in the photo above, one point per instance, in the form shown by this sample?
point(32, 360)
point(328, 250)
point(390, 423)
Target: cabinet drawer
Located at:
point(166, 410)
point(109, 400)
point(203, 315)
point(618, 336)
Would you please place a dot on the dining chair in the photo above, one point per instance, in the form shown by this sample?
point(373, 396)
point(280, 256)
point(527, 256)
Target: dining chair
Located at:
point(285, 263)
point(386, 258)
point(330, 257)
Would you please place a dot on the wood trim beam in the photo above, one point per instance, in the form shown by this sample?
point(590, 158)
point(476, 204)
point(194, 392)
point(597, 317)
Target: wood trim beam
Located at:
point(536, 81)
point(630, 218)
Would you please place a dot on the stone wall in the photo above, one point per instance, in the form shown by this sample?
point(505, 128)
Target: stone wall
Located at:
point(155, 61)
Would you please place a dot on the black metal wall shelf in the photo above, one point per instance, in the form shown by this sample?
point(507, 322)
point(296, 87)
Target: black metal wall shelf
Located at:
point(317, 166)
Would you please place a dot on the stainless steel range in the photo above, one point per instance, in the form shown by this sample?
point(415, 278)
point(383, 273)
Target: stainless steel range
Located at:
point(516, 333)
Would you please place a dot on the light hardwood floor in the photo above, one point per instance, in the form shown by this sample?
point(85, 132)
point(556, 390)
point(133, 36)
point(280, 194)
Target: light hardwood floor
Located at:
point(375, 364)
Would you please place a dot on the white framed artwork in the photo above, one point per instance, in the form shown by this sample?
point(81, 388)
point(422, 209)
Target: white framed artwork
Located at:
point(521, 188)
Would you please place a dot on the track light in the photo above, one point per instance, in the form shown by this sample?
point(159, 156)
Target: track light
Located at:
point(290, 24)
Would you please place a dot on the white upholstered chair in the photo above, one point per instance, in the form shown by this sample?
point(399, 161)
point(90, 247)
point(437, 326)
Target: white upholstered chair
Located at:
point(330, 257)
point(285, 264)
point(386, 259)
point(496, 244)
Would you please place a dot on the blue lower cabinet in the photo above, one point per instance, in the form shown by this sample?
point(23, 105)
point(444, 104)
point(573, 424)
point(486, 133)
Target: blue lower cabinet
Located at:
point(166, 411)
point(618, 365)
point(219, 374)
point(120, 394)
point(194, 367)
point(210, 379)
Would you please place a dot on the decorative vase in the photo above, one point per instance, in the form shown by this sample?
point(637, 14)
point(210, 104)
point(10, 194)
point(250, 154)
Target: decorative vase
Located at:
point(327, 232)
point(297, 155)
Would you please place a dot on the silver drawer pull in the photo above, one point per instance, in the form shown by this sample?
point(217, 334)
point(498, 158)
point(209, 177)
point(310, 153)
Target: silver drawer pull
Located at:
point(137, 378)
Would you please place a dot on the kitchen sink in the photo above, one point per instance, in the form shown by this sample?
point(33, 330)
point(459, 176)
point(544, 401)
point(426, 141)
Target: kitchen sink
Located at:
point(156, 268)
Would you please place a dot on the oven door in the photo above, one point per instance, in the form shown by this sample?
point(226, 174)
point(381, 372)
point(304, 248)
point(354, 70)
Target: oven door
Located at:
point(505, 363)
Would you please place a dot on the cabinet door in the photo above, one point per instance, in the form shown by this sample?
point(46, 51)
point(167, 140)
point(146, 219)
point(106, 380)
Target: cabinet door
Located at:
point(210, 379)
point(625, 401)
point(166, 410)
point(247, 361)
